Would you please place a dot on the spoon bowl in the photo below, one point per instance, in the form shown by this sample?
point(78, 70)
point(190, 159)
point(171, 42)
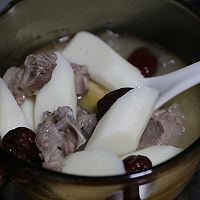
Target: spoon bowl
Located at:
point(172, 84)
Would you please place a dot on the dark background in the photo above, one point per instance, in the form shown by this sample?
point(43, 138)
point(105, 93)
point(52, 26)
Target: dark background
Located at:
point(191, 192)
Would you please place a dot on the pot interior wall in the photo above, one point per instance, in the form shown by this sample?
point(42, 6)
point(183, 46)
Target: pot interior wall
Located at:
point(31, 24)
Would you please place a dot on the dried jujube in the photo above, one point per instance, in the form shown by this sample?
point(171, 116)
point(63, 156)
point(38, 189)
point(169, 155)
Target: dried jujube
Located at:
point(108, 100)
point(145, 60)
point(136, 163)
point(20, 142)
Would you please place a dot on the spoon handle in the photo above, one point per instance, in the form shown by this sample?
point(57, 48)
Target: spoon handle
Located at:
point(164, 83)
point(177, 89)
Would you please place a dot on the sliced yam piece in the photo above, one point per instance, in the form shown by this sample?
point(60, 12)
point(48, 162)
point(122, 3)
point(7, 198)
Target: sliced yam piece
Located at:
point(105, 65)
point(59, 91)
point(89, 101)
point(93, 163)
point(11, 116)
point(157, 153)
point(28, 110)
point(120, 129)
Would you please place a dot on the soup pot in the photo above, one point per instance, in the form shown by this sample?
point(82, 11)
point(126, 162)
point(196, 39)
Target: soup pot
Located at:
point(28, 25)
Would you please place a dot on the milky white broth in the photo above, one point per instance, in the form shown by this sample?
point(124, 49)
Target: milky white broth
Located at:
point(124, 44)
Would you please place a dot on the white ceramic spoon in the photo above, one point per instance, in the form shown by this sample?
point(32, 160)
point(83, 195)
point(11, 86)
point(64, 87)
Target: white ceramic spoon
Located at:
point(174, 83)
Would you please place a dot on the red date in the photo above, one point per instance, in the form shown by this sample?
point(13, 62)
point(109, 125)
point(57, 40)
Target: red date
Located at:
point(144, 60)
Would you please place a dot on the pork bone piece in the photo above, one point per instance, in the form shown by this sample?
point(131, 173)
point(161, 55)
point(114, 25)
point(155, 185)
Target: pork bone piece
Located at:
point(59, 91)
point(93, 163)
point(11, 115)
point(106, 66)
point(120, 129)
